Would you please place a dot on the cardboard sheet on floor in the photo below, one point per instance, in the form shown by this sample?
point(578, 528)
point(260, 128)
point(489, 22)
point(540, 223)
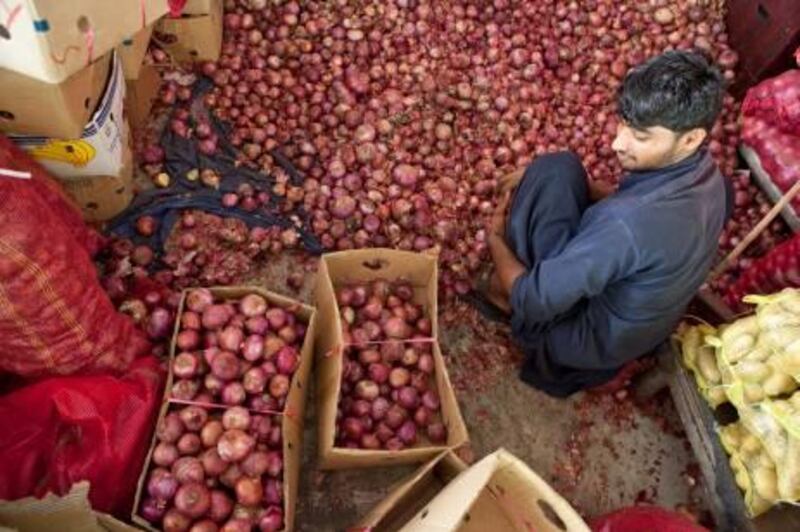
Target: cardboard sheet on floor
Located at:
point(29, 106)
point(51, 40)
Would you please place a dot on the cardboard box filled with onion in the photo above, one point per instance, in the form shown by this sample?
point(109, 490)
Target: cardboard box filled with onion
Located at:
point(226, 452)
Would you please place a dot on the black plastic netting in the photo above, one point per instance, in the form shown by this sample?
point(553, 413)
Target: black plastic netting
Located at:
point(182, 156)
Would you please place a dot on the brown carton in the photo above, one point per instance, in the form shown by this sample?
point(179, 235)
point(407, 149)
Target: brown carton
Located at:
point(132, 51)
point(33, 107)
point(341, 268)
point(194, 36)
point(292, 415)
point(100, 198)
point(140, 95)
point(500, 492)
point(52, 40)
point(410, 495)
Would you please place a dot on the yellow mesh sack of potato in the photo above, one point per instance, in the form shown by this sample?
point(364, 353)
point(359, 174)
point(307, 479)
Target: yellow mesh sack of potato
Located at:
point(698, 356)
point(778, 317)
point(776, 424)
point(743, 353)
point(753, 468)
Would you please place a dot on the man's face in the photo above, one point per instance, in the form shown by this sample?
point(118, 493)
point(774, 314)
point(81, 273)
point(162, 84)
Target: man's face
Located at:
point(647, 149)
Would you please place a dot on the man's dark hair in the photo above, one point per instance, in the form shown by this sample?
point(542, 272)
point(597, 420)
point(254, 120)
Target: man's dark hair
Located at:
point(678, 90)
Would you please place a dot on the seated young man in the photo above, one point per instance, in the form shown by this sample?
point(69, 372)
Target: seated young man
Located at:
point(590, 287)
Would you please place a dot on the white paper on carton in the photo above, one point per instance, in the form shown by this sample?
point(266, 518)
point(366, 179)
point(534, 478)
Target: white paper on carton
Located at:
point(99, 151)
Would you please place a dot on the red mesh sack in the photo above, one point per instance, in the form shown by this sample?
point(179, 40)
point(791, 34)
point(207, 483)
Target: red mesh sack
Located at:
point(778, 152)
point(13, 158)
point(776, 100)
point(55, 319)
point(641, 518)
point(61, 430)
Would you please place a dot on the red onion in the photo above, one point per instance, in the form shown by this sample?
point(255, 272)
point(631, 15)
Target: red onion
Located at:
point(170, 428)
point(165, 454)
point(234, 445)
point(236, 417)
point(225, 365)
point(211, 432)
point(233, 393)
point(213, 464)
point(188, 469)
point(437, 433)
point(279, 386)
point(159, 324)
point(199, 299)
point(153, 510)
point(193, 499)
point(189, 444)
point(286, 360)
point(162, 485)
point(272, 520)
point(175, 521)
point(221, 506)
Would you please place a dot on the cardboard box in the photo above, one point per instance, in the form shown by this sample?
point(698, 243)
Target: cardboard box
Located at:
point(51, 512)
point(98, 150)
point(363, 265)
point(132, 51)
point(50, 40)
point(500, 492)
point(140, 95)
point(29, 106)
point(100, 198)
point(410, 495)
point(196, 35)
point(292, 415)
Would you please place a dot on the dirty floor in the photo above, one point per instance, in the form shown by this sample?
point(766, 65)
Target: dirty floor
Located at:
point(600, 451)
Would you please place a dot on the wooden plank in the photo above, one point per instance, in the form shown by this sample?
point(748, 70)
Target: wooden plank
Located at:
point(724, 497)
point(700, 424)
point(766, 184)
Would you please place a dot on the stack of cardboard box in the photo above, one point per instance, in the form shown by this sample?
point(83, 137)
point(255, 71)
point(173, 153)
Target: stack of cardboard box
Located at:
point(64, 67)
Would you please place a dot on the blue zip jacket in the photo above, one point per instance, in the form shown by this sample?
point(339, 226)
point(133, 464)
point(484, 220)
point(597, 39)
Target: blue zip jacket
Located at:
point(621, 284)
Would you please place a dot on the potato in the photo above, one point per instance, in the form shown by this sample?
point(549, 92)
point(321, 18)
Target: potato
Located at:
point(779, 338)
point(765, 482)
point(750, 444)
point(747, 325)
point(752, 371)
point(778, 383)
point(707, 365)
point(753, 393)
point(738, 347)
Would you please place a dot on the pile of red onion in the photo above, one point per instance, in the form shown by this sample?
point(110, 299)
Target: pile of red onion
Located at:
point(213, 470)
point(381, 310)
point(389, 398)
point(206, 249)
point(403, 116)
point(241, 352)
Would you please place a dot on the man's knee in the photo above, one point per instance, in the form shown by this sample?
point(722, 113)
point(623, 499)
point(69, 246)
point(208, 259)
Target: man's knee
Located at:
point(557, 170)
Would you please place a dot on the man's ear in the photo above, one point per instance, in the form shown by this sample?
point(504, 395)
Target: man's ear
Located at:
point(692, 139)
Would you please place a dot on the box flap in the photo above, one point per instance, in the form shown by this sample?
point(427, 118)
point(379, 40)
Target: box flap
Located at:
point(498, 493)
point(51, 40)
point(32, 107)
point(71, 512)
point(132, 50)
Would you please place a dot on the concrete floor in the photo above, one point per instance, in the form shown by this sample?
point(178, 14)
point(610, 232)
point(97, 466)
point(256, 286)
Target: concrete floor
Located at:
point(601, 452)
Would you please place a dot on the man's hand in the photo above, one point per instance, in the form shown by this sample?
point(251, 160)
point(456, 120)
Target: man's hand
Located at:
point(509, 182)
point(497, 222)
point(599, 190)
